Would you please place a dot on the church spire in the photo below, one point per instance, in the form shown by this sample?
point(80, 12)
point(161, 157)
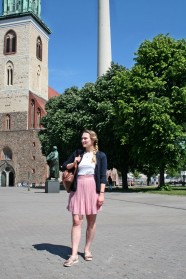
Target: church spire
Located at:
point(21, 6)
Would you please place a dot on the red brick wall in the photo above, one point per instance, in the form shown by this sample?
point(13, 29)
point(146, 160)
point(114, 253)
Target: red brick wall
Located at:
point(27, 160)
point(18, 121)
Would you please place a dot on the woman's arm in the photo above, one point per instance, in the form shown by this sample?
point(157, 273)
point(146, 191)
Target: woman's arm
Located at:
point(70, 166)
point(101, 196)
point(103, 171)
point(70, 163)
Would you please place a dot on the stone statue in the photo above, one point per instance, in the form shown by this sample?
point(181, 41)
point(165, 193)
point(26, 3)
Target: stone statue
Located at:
point(53, 162)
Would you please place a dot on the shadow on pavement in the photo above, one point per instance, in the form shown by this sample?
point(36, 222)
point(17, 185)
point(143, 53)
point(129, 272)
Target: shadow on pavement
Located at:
point(59, 250)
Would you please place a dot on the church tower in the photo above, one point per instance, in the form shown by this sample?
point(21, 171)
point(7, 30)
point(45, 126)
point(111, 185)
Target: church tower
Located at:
point(23, 91)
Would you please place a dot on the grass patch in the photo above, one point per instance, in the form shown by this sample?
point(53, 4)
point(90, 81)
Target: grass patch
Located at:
point(173, 190)
point(178, 191)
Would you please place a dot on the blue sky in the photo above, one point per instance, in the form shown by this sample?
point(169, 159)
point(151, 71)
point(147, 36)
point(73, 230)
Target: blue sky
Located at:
point(73, 42)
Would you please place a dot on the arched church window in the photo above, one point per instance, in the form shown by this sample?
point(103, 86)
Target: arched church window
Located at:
point(7, 152)
point(39, 48)
point(10, 42)
point(7, 122)
point(7, 169)
point(9, 73)
point(32, 114)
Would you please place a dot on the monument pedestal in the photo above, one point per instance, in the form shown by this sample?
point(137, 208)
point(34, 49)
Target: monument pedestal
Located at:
point(52, 186)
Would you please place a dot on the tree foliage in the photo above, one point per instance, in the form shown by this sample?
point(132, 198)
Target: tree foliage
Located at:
point(158, 81)
point(138, 114)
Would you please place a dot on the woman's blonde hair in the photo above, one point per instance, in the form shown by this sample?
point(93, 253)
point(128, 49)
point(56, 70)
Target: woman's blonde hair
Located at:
point(94, 138)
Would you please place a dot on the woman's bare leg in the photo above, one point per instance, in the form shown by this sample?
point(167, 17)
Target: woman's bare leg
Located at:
point(91, 229)
point(77, 221)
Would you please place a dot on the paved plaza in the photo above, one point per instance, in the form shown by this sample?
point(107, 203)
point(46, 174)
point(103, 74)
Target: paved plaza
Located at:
point(139, 236)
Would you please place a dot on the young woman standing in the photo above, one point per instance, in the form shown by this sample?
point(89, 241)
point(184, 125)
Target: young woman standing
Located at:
point(87, 192)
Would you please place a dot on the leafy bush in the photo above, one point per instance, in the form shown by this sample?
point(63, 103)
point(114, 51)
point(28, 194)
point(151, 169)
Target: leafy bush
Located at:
point(165, 188)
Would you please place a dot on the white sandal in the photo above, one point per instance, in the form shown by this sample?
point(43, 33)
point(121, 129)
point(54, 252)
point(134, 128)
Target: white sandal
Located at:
point(72, 260)
point(88, 256)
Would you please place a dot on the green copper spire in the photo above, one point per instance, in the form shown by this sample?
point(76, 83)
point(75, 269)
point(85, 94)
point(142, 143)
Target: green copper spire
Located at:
point(21, 6)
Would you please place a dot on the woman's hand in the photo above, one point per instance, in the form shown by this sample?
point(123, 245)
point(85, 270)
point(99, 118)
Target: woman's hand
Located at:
point(72, 165)
point(77, 159)
point(100, 200)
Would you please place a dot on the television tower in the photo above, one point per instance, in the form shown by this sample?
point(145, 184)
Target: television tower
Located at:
point(104, 37)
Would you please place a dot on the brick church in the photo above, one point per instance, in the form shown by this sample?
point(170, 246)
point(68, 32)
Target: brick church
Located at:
point(24, 91)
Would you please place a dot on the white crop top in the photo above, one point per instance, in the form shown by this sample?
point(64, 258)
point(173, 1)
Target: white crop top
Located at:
point(86, 167)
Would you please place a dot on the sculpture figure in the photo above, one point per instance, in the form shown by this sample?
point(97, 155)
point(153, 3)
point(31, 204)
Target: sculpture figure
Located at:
point(53, 162)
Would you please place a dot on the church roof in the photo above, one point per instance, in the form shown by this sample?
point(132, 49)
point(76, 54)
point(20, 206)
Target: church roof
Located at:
point(52, 93)
point(40, 102)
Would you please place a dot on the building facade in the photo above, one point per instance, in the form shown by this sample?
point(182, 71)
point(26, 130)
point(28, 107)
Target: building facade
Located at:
point(23, 92)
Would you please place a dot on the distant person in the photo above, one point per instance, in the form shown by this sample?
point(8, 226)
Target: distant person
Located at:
point(87, 192)
point(114, 176)
point(110, 183)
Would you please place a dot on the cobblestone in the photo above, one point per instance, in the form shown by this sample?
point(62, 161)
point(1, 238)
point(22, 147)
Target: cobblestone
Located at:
point(138, 236)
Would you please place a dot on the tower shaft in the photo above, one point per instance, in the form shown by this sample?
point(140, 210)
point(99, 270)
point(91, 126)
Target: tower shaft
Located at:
point(104, 37)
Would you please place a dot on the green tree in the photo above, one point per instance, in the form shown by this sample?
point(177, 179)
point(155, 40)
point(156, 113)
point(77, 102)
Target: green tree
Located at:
point(107, 94)
point(138, 114)
point(159, 84)
point(88, 108)
point(98, 103)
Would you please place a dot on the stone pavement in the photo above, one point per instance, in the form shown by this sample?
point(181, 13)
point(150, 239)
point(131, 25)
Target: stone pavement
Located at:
point(139, 236)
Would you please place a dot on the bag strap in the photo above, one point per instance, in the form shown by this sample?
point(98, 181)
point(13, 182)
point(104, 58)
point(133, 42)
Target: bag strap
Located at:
point(75, 168)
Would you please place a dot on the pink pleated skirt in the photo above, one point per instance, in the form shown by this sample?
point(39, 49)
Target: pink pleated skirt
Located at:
point(84, 200)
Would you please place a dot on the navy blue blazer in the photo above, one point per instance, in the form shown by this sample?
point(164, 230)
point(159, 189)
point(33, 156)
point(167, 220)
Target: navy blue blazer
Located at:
point(100, 168)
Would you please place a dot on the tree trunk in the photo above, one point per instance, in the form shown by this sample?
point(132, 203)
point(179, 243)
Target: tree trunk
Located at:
point(124, 179)
point(148, 180)
point(183, 183)
point(162, 179)
point(125, 166)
